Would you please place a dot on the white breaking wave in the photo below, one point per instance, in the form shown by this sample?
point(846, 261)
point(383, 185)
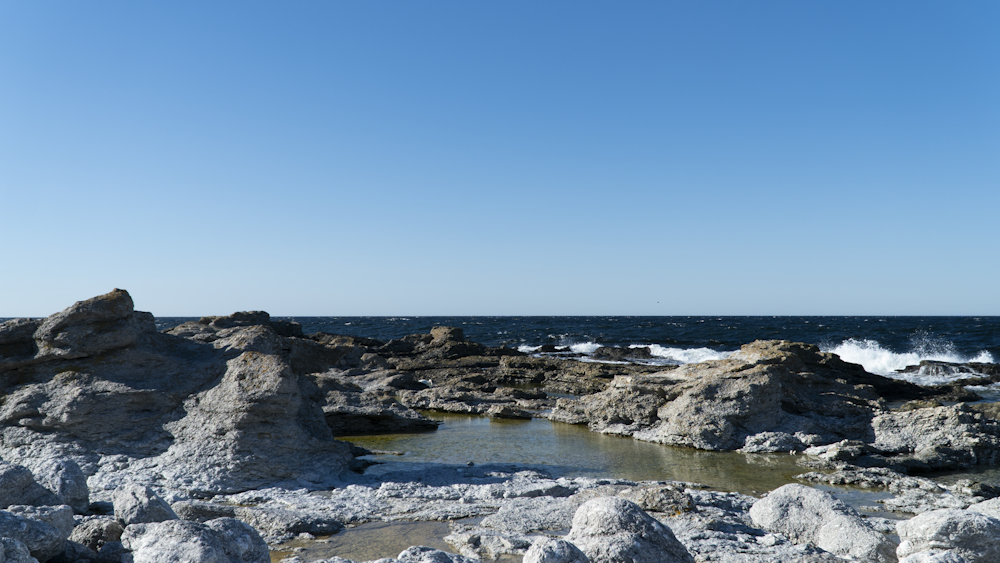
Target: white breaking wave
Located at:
point(584, 347)
point(684, 355)
point(876, 359)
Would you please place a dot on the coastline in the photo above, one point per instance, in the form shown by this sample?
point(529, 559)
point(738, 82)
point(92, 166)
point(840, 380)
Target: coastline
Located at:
point(230, 422)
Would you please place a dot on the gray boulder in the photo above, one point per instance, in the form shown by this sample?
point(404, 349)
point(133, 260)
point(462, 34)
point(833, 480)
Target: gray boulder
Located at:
point(18, 487)
point(43, 540)
point(949, 535)
point(807, 515)
point(424, 554)
point(96, 532)
point(138, 504)
point(551, 550)
point(65, 479)
point(614, 530)
point(180, 541)
point(59, 517)
point(91, 327)
point(14, 551)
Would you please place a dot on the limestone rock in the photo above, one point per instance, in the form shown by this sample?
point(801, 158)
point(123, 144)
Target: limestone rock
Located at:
point(14, 551)
point(96, 532)
point(43, 540)
point(807, 515)
point(614, 530)
point(65, 479)
point(551, 550)
point(949, 533)
point(18, 486)
point(939, 437)
point(253, 428)
point(138, 504)
point(91, 327)
point(423, 554)
point(180, 541)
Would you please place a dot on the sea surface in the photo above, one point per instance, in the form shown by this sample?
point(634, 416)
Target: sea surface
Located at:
point(883, 345)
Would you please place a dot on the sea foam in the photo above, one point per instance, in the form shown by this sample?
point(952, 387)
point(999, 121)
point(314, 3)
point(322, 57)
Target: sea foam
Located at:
point(684, 355)
point(876, 359)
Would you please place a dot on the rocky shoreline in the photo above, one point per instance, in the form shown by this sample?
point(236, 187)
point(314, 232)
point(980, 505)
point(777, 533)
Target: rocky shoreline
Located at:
point(214, 440)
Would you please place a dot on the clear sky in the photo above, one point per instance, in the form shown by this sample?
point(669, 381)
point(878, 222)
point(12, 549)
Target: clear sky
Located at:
point(501, 157)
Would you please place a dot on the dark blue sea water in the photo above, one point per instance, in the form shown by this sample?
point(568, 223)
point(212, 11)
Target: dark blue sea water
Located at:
point(881, 344)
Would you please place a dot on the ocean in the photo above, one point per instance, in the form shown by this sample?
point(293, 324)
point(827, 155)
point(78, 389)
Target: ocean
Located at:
point(882, 344)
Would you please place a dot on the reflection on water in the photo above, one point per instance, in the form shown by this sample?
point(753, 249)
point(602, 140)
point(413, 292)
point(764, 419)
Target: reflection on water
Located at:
point(563, 450)
point(566, 450)
point(370, 541)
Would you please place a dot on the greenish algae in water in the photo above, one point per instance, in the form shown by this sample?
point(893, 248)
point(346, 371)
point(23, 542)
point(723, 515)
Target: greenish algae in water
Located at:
point(567, 450)
point(563, 450)
point(367, 542)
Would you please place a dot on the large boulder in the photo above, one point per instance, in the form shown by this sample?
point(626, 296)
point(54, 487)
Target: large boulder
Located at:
point(43, 540)
point(614, 530)
point(138, 504)
point(807, 515)
point(65, 479)
point(552, 550)
point(223, 540)
point(949, 535)
point(18, 486)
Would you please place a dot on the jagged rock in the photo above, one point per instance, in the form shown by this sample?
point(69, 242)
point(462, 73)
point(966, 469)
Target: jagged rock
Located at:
point(65, 479)
point(349, 410)
point(947, 535)
point(765, 390)
point(506, 411)
point(43, 540)
point(422, 554)
point(772, 442)
point(59, 517)
point(138, 504)
point(18, 486)
point(223, 540)
point(614, 530)
point(939, 437)
point(551, 550)
point(14, 551)
point(200, 511)
point(253, 428)
point(277, 524)
point(96, 532)
point(91, 327)
point(806, 515)
point(659, 498)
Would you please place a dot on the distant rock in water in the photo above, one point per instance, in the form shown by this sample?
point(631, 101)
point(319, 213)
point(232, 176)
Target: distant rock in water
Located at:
point(786, 396)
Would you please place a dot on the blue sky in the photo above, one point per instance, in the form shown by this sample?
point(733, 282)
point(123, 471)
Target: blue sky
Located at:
point(485, 157)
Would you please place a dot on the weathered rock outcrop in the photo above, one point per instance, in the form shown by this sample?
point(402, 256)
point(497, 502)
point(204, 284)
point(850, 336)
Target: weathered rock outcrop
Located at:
point(949, 535)
point(223, 540)
point(98, 386)
point(807, 515)
point(614, 530)
point(768, 396)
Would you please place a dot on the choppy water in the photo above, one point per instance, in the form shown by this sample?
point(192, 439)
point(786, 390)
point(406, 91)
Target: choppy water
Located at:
point(882, 345)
